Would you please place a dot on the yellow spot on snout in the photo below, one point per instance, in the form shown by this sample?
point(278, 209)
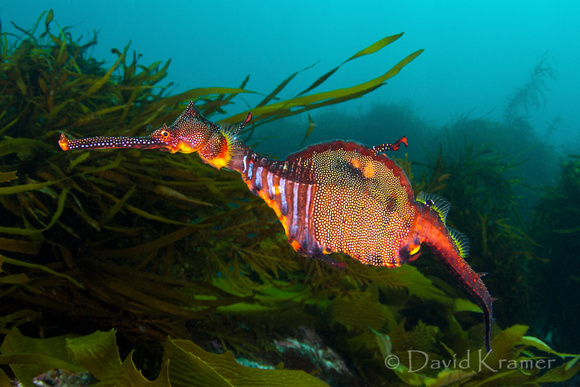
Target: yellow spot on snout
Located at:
point(185, 147)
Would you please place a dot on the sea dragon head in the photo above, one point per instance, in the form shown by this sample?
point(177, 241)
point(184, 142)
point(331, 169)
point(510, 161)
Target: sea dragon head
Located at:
point(191, 132)
point(452, 248)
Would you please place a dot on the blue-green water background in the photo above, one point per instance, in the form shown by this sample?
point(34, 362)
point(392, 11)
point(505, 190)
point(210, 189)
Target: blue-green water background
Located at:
point(476, 53)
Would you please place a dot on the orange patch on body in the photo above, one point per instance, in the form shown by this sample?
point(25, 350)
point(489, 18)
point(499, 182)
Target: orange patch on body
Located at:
point(183, 147)
point(369, 171)
point(224, 156)
point(295, 245)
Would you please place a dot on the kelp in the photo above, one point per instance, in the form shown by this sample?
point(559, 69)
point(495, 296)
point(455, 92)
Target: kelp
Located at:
point(184, 363)
point(304, 102)
point(516, 360)
point(555, 226)
point(159, 245)
point(7, 176)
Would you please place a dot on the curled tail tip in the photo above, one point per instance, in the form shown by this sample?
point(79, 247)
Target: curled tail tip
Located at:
point(402, 140)
point(63, 142)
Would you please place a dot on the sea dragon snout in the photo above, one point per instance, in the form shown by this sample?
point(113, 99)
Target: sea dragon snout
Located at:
point(191, 132)
point(112, 143)
point(335, 196)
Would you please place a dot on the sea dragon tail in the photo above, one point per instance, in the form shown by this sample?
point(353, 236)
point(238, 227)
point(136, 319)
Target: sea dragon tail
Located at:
point(473, 283)
point(452, 247)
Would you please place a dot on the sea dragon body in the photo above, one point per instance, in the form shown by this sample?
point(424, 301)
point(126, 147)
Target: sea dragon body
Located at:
point(337, 196)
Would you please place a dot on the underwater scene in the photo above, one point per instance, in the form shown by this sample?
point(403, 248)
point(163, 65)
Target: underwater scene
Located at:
point(276, 194)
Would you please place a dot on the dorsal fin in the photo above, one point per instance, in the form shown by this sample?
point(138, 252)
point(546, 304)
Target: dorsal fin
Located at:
point(461, 242)
point(192, 111)
point(436, 202)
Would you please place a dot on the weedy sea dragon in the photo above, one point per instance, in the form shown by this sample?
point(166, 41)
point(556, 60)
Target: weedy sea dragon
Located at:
point(336, 196)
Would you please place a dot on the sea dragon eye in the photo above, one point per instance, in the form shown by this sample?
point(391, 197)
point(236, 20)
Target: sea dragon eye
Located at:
point(165, 133)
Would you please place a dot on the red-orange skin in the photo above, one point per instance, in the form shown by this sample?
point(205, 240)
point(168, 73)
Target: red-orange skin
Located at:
point(318, 195)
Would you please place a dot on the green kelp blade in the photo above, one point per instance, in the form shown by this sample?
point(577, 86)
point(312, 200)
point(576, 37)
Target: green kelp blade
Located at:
point(186, 293)
point(281, 86)
point(20, 246)
point(7, 176)
point(211, 106)
point(152, 76)
point(309, 102)
point(311, 126)
point(74, 162)
point(194, 94)
point(143, 213)
point(363, 87)
point(369, 50)
point(27, 187)
point(97, 352)
point(100, 82)
point(4, 379)
point(92, 115)
point(376, 46)
point(420, 286)
point(503, 345)
point(29, 357)
point(16, 262)
point(48, 19)
point(140, 302)
point(148, 247)
point(561, 373)
point(172, 194)
point(127, 374)
point(35, 186)
point(463, 305)
point(22, 146)
point(189, 366)
point(539, 344)
point(112, 211)
point(56, 215)
point(360, 312)
point(14, 279)
point(190, 293)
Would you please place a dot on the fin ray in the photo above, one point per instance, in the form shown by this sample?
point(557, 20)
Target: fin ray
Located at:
point(461, 242)
point(436, 202)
